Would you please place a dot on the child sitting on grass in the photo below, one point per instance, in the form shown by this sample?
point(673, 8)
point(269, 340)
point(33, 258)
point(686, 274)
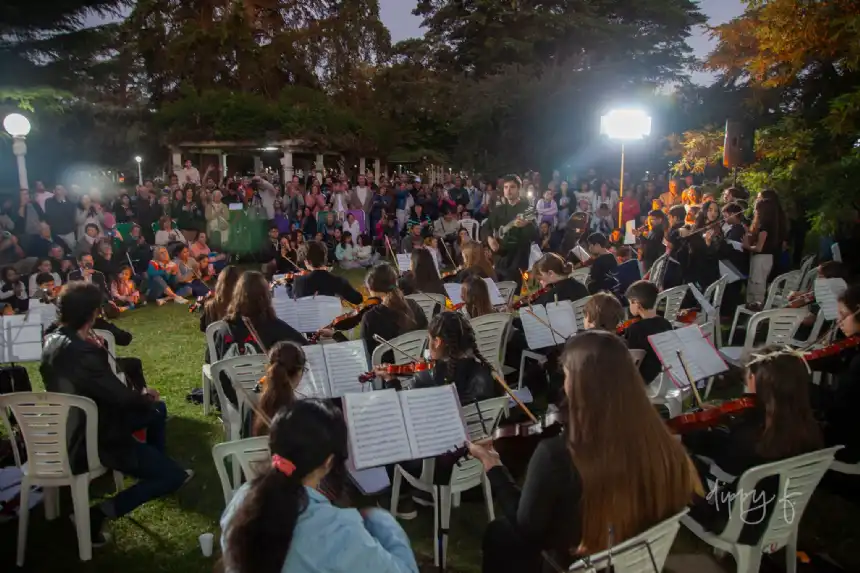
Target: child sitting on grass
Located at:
point(123, 291)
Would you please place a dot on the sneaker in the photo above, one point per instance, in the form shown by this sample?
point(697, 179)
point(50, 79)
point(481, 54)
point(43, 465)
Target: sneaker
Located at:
point(180, 300)
point(405, 507)
point(422, 498)
point(98, 536)
point(161, 301)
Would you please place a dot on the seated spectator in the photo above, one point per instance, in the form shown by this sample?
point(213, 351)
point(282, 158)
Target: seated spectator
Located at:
point(332, 241)
point(364, 254)
point(161, 277)
point(166, 235)
point(86, 272)
point(46, 288)
point(74, 361)
point(189, 273)
point(13, 293)
point(346, 253)
point(12, 254)
point(123, 291)
point(44, 266)
point(200, 247)
point(60, 264)
point(414, 239)
point(40, 245)
point(351, 226)
point(104, 261)
point(87, 241)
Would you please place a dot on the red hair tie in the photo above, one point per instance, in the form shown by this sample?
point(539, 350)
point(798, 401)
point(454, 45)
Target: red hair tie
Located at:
point(283, 465)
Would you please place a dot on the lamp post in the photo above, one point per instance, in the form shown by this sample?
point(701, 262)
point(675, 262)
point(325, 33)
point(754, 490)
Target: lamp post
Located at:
point(18, 127)
point(626, 125)
point(139, 160)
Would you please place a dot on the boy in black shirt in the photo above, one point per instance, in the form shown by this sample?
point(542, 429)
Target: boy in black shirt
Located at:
point(643, 304)
point(652, 243)
point(320, 281)
point(602, 274)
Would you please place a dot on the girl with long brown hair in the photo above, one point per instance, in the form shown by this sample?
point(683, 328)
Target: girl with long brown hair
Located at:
point(764, 242)
point(780, 425)
point(475, 262)
point(396, 314)
point(283, 375)
point(216, 307)
point(423, 276)
point(613, 473)
point(476, 297)
point(553, 274)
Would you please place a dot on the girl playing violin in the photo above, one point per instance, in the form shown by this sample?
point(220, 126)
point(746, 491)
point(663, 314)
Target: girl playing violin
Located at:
point(476, 297)
point(456, 360)
point(553, 274)
point(780, 425)
point(283, 375)
point(576, 500)
point(475, 262)
point(216, 307)
point(423, 276)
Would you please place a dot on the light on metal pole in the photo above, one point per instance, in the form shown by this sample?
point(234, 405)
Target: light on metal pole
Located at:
point(18, 127)
point(626, 125)
point(139, 160)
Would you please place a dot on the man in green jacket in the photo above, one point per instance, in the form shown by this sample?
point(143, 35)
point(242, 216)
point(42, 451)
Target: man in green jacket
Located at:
point(514, 219)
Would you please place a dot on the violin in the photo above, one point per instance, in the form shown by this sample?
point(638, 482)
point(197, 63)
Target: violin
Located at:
point(687, 316)
point(516, 443)
point(531, 298)
point(409, 369)
point(287, 278)
point(802, 300)
point(832, 349)
point(340, 320)
point(448, 274)
point(709, 417)
point(621, 328)
point(200, 302)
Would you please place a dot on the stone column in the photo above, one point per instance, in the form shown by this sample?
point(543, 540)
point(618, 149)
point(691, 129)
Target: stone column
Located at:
point(175, 159)
point(287, 165)
point(320, 166)
point(362, 166)
point(258, 165)
point(222, 161)
point(377, 170)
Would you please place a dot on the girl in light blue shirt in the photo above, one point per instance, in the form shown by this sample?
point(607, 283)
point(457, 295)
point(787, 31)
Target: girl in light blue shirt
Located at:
point(281, 522)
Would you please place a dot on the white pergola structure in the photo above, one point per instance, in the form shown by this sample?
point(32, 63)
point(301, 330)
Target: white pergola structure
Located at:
point(286, 148)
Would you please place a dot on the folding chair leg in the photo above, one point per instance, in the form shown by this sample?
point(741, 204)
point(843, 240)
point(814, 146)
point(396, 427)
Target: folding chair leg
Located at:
point(748, 559)
point(441, 523)
point(24, 518)
point(734, 325)
point(207, 394)
point(395, 489)
point(81, 502)
point(52, 502)
point(488, 498)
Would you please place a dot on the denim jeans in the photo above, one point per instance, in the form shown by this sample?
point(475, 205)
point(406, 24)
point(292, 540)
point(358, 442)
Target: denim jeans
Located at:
point(157, 474)
point(198, 288)
point(157, 287)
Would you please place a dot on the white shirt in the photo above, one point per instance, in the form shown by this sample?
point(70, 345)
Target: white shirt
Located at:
point(185, 174)
point(34, 288)
point(42, 197)
point(353, 228)
point(339, 202)
point(362, 194)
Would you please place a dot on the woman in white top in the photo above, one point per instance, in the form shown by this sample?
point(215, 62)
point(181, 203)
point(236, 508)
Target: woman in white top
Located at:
point(351, 225)
point(605, 195)
point(166, 234)
point(547, 209)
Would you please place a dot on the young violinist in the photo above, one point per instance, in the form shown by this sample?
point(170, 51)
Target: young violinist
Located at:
point(281, 521)
point(319, 281)
point(627, 272)
point(734, 233)
point(553, 274)
point(476, 297)
point(423, 276)
point(779, 425)
point(602, 312)
point(576, 500)
point(283, 375)
point(475, 262)
point(601, 276)
point(837, 402)
point(651, 244)
point(642, 296)
point(216, 307)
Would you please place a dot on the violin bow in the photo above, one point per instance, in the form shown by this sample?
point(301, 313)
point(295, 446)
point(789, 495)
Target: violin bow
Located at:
point(381, 340)
point(830, 331)
point(445, 246)
point(501, 382)
point(248, 398)
point(693, 387)
point(391, 250)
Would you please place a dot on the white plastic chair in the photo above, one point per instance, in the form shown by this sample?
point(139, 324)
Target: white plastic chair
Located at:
point(806, 265)
point(782, 323)
point(250, 454)
point(663, 392)
point(808, 280)
point(581, 274)
point(846, 468)
point(244, 371)
point(469, 474)
point(633, 556)
point(207, 368)
point(22, 336)
point(714, 295)
point(507, 289)
point(491, 334)
point(798, 478)
point(43, 419)
point(412, 343)
point(638, 356)
point(579, 312)
point(470, 225)
point(672, 298)
point(777, 295)
point(430, 303)
point(110, 342)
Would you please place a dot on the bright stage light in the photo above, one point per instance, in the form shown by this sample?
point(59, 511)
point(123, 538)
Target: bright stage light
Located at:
point(626, 124)
point(17, 125)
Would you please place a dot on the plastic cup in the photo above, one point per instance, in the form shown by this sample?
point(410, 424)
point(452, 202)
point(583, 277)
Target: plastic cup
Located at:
point(206, 541)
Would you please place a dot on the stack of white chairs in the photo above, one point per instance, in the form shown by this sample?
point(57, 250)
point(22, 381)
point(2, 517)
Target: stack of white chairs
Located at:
point(43, 419)
point(251, 455)
point(465, 476)
point(242, 371)
point(207, 368)
point(798, 478)
point(21, 338)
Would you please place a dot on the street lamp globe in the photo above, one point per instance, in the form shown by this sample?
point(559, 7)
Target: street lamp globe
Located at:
point(138, 158)
point(626, 124)
point(17, 125)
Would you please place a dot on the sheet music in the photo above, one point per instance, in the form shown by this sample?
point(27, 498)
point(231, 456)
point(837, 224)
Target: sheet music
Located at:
point(454, 292)
point(537, 335)
point(314, 313)
point(562, 318)
point(836, 252)
point(286, 308)
point(706, 306)
point(22, 338)
point(495, 296)
point(344, 362)
point(629, 237)
point(434, 424)
point(314, 383)
point(377, 431)
point(581, 253)
point(534, 254)
point(701, 357)
point(729, 270)
point(404, 261)
point(827, 292)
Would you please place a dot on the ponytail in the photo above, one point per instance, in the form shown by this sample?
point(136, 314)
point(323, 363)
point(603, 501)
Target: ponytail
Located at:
point(552, 262)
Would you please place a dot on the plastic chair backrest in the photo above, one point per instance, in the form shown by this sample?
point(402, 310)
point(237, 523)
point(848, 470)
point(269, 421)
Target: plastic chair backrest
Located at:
point(470, 472)
point(715, 291)
point(251, 454)
point(579, 312)
point(781, 327)
point(798, 478)
point(43, 418)
point(806, 264)
point(412, 342)
point(430, 303)
point(638, 356)
point(777, 293)
point(210, 338)
point(808, 280)
point(244, 371)
point(673, 298)
point(470, 225)
point(491, 334)
point(633, 555)
point(581, 274)
point(507, 289)
point(110, 342)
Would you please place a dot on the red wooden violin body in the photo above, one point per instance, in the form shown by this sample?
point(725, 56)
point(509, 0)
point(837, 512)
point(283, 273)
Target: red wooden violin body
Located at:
point(709, 417)
point(530, 298)
point(516, 443)
point(619, 330)
point(344, 318)
point(409, 369)
point(687, 316)
point(832, 349)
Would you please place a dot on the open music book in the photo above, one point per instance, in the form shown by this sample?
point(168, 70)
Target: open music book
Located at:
point(386, 426)
point(404, 261)
point(827, 293)
point(309, 313)
point(455, 290)
point(333, 369)
point(629, 237)
point(702, 358)
point(559, 315)
point(581, 253)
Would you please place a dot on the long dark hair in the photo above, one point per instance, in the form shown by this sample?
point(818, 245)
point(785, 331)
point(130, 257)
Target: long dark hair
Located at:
point(383, 279)
point(251, 299)
point(767, 215)
point(425, 273)
point(458, 339)
point(476, 296)
point(286, 361)
point(782, 392)
point(224, 288)
point(634, 474)
point(261, 531)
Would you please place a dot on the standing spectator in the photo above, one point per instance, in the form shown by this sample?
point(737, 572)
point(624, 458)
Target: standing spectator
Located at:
point(547, 209)
point(41, 195)
point(190, 218)
point(60, 214)
point(403, 202)
point(218, 220)
point(189, 174)
point(13, 293)
point(123, 210)
point(88, 213)
point(44, 267)
point(308, 224)
point(315, 200)
point(30, 215)
point(459, 194)
point(671, 197)
point(148, 212)
point(607, 196)
point(362, 196)
point(563, 201)
point(42, 243)
point(584, 198)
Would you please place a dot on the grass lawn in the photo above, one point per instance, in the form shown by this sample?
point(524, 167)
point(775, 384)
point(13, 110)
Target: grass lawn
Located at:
point(162, 535)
